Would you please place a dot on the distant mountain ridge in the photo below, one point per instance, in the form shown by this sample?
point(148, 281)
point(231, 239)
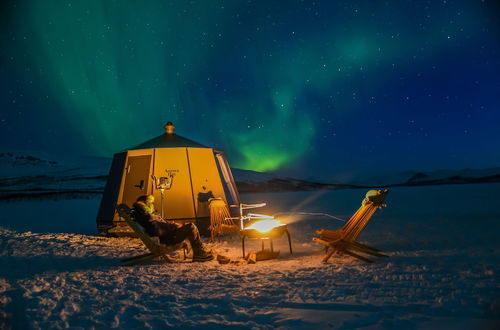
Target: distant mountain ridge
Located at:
point(251, 181)
point(33, 175)
point(412, 178)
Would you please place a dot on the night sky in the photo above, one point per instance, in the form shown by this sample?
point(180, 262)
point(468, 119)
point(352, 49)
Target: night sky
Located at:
point(312, 89)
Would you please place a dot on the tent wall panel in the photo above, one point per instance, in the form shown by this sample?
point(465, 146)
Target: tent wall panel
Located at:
point(111, 192)
point(205, 179)
point(178, 201)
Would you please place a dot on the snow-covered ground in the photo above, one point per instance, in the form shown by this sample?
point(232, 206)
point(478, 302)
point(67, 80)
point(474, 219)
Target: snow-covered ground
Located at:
point(443, 270)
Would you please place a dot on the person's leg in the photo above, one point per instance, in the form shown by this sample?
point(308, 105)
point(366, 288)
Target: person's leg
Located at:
point(166, 232)
point(189, 231)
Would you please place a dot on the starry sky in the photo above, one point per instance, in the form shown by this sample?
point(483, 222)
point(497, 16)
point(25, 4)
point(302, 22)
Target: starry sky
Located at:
point(314, 89)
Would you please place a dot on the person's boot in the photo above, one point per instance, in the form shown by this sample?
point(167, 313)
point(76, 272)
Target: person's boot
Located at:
point(202, 255)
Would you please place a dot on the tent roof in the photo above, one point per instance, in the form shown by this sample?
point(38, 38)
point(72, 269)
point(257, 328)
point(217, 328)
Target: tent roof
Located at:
point(168, 140)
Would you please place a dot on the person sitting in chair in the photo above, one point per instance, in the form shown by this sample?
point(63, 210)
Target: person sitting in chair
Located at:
point(169, 232)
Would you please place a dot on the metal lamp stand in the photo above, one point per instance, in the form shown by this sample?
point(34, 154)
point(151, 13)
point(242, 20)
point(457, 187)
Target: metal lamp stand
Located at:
point(161, 184)
point(162, 190)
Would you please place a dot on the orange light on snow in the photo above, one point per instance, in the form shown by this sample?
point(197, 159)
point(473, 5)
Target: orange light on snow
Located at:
point(264, 226)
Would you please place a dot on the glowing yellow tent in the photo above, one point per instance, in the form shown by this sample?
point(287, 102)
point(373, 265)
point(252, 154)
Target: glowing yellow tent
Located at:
point(187, 172)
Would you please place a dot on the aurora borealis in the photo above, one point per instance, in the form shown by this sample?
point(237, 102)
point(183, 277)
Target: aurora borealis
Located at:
point(306, 88)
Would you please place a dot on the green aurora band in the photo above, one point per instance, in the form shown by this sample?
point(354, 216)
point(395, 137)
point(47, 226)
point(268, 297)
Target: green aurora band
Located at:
point(121, 69)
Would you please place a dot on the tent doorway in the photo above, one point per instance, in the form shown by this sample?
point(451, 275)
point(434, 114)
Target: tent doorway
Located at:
point(136, 178)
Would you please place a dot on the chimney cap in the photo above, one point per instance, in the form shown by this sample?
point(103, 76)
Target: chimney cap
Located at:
point(169, 128)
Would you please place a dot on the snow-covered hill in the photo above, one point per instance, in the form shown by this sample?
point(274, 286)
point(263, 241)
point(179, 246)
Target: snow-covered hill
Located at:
point(27, 175)
point(35, 163)
point(36, 175)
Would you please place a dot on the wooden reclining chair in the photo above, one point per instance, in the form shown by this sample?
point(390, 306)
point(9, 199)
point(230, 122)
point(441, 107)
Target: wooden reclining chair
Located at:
point(152, 243)
point(343, 240)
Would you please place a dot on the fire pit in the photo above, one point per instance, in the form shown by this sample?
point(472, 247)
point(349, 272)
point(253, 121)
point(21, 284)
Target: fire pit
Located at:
point(265, 230)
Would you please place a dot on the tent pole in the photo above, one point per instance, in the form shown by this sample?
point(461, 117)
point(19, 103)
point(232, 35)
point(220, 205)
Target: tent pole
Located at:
point(161, 202)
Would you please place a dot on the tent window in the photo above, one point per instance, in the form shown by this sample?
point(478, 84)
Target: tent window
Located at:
point(228, 178)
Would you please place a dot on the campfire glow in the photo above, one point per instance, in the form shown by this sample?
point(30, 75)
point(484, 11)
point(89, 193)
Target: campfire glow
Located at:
point(264, 226)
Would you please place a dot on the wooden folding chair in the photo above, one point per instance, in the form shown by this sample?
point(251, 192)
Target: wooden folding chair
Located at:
point(343, 240)
point(221, 222)
point(156, 249)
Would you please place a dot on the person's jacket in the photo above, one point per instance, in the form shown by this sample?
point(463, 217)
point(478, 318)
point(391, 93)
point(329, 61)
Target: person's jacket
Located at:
point(143, 217)
point(154, 227)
